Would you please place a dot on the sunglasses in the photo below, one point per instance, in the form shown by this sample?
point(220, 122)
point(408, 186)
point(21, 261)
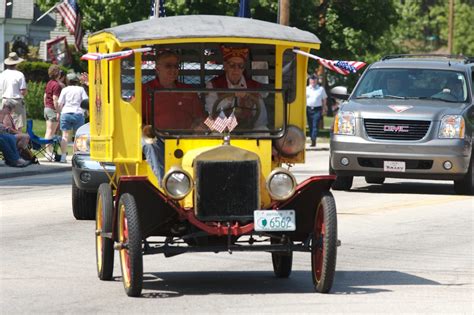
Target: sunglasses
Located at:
point(233, 65)
point(170, 66)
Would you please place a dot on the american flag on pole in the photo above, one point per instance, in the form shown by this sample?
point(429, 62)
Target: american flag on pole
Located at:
point(209, 122)
point(157, 9)
point(69, 11)
point(342, 67)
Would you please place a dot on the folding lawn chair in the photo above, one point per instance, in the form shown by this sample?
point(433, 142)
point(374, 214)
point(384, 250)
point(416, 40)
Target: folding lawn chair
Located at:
point(39, 145)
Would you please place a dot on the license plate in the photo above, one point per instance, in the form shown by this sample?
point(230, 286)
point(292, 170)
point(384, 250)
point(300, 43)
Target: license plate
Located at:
point(274, 220)
point(394, 166)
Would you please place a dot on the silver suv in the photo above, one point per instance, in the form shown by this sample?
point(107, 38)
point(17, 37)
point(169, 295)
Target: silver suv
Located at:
point(409, 116)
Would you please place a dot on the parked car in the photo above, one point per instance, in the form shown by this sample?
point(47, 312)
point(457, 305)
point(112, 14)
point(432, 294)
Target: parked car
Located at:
point(409, 116)
point(87, 175)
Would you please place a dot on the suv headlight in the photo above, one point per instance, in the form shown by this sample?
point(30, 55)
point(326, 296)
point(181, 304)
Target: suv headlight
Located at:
point(452, 127)
point(344, 123)
point(177, 183)
point(81, 144)
point(281, 184)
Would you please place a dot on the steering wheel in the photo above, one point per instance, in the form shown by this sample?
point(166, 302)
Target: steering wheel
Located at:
point(247, 108)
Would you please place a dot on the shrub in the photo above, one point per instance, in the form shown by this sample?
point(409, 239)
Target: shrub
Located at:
point(36, 71)
point(34, 100)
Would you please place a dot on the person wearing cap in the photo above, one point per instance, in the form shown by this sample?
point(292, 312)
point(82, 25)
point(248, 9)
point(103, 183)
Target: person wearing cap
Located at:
point(72, 115)
point(13, 87)
point(51, 105)
point(233, 77)
point(316, 98)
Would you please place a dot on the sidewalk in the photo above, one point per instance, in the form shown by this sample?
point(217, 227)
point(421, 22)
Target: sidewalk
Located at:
point(44, 167)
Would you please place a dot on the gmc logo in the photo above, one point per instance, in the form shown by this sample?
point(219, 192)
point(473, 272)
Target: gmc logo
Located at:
point(397, 129)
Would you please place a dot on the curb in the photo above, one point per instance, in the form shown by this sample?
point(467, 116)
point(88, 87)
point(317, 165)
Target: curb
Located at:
point(35, 172)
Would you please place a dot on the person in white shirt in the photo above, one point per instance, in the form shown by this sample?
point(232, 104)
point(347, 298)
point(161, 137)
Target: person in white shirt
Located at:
point(315, 106)
point(13, 86)
point(72, 115)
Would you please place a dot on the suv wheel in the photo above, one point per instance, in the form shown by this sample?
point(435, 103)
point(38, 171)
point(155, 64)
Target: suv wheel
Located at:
point(341, 182)
point(83, 203)
point(465, 186)
point(374, 180)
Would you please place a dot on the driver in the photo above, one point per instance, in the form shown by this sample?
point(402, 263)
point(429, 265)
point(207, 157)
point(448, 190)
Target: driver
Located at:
point(171, 110)
point(233, 78)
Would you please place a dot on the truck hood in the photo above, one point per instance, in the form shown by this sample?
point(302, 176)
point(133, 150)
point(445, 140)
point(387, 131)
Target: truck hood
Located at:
point(403, 109)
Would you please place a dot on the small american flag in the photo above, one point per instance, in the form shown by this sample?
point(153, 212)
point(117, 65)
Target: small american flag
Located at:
point(69, 11)
point(232, 122)
point(342, 67)
point(209, 122)
point(220, 123)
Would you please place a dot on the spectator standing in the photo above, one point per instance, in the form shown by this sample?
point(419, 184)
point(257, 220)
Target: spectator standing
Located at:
point(13, 86)
point(51, 105)
point(316, 99)
point(72, 115)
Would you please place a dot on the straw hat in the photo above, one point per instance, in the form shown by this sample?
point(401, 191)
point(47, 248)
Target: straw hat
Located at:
point(13, 59)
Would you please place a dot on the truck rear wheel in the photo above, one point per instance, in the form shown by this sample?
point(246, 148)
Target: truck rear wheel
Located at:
point(282, 262)
point(103, 224)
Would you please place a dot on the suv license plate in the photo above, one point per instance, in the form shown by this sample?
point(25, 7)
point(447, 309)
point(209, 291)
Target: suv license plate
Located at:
point(394, 166)
point(274, 220)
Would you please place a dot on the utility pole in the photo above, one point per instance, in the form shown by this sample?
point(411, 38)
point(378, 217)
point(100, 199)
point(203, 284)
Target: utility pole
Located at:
point(284, 12)
point(451, 27)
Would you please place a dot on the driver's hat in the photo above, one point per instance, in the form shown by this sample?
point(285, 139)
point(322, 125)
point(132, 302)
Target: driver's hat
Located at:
point(230, 52)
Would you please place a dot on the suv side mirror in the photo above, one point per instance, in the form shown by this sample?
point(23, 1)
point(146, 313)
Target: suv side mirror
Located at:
point(339, 92)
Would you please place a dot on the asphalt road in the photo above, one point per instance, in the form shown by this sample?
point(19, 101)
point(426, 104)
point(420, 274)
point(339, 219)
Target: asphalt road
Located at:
point(407, 247)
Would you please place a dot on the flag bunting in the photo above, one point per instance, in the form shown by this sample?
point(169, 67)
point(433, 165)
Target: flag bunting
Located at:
point(339, 66)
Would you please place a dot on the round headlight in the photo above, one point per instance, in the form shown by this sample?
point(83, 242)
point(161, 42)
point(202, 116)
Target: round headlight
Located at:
point(177, 183)
point(281, 184)
point(292, 142)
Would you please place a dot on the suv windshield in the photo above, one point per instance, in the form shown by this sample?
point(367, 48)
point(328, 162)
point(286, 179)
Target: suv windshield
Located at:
point(212, 112)
point(433, 84)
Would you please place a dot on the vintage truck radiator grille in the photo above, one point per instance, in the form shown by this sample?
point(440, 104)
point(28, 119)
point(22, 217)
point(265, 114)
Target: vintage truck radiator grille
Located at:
point(226, 190)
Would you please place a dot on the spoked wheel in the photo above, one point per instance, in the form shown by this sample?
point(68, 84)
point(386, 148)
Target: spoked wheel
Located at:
point(103, 224)
point(324, 244)
point(130, 238)
point(282, 262)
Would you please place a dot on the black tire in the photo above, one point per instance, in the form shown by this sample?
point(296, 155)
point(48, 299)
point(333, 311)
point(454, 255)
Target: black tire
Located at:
point(130, 236)
point(282, 262)
point(374, 180)
point(341, 182)
point(465, 186)
point(103, 223)
point(324, 244)
point(83, 203)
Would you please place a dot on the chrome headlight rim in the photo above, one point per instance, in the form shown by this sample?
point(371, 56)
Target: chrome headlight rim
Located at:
point(175, 170)
point(276, 171)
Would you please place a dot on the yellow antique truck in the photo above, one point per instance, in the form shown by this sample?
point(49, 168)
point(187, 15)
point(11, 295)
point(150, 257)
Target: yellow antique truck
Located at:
point(203, 163)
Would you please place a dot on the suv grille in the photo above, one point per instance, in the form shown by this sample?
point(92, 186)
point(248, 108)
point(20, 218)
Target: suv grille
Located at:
point(391, 129)
point(226, 190)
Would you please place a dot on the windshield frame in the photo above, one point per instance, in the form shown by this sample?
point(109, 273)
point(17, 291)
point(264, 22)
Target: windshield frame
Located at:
point(207, 133)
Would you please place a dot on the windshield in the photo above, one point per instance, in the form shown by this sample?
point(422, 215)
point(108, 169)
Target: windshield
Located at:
point(214, 112)
point(432, 84)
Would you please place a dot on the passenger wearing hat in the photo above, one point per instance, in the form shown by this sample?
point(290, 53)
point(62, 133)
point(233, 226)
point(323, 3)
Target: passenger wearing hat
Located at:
point(13, 87)
point(315, 106)
point(72, 115)
point(233, 77)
